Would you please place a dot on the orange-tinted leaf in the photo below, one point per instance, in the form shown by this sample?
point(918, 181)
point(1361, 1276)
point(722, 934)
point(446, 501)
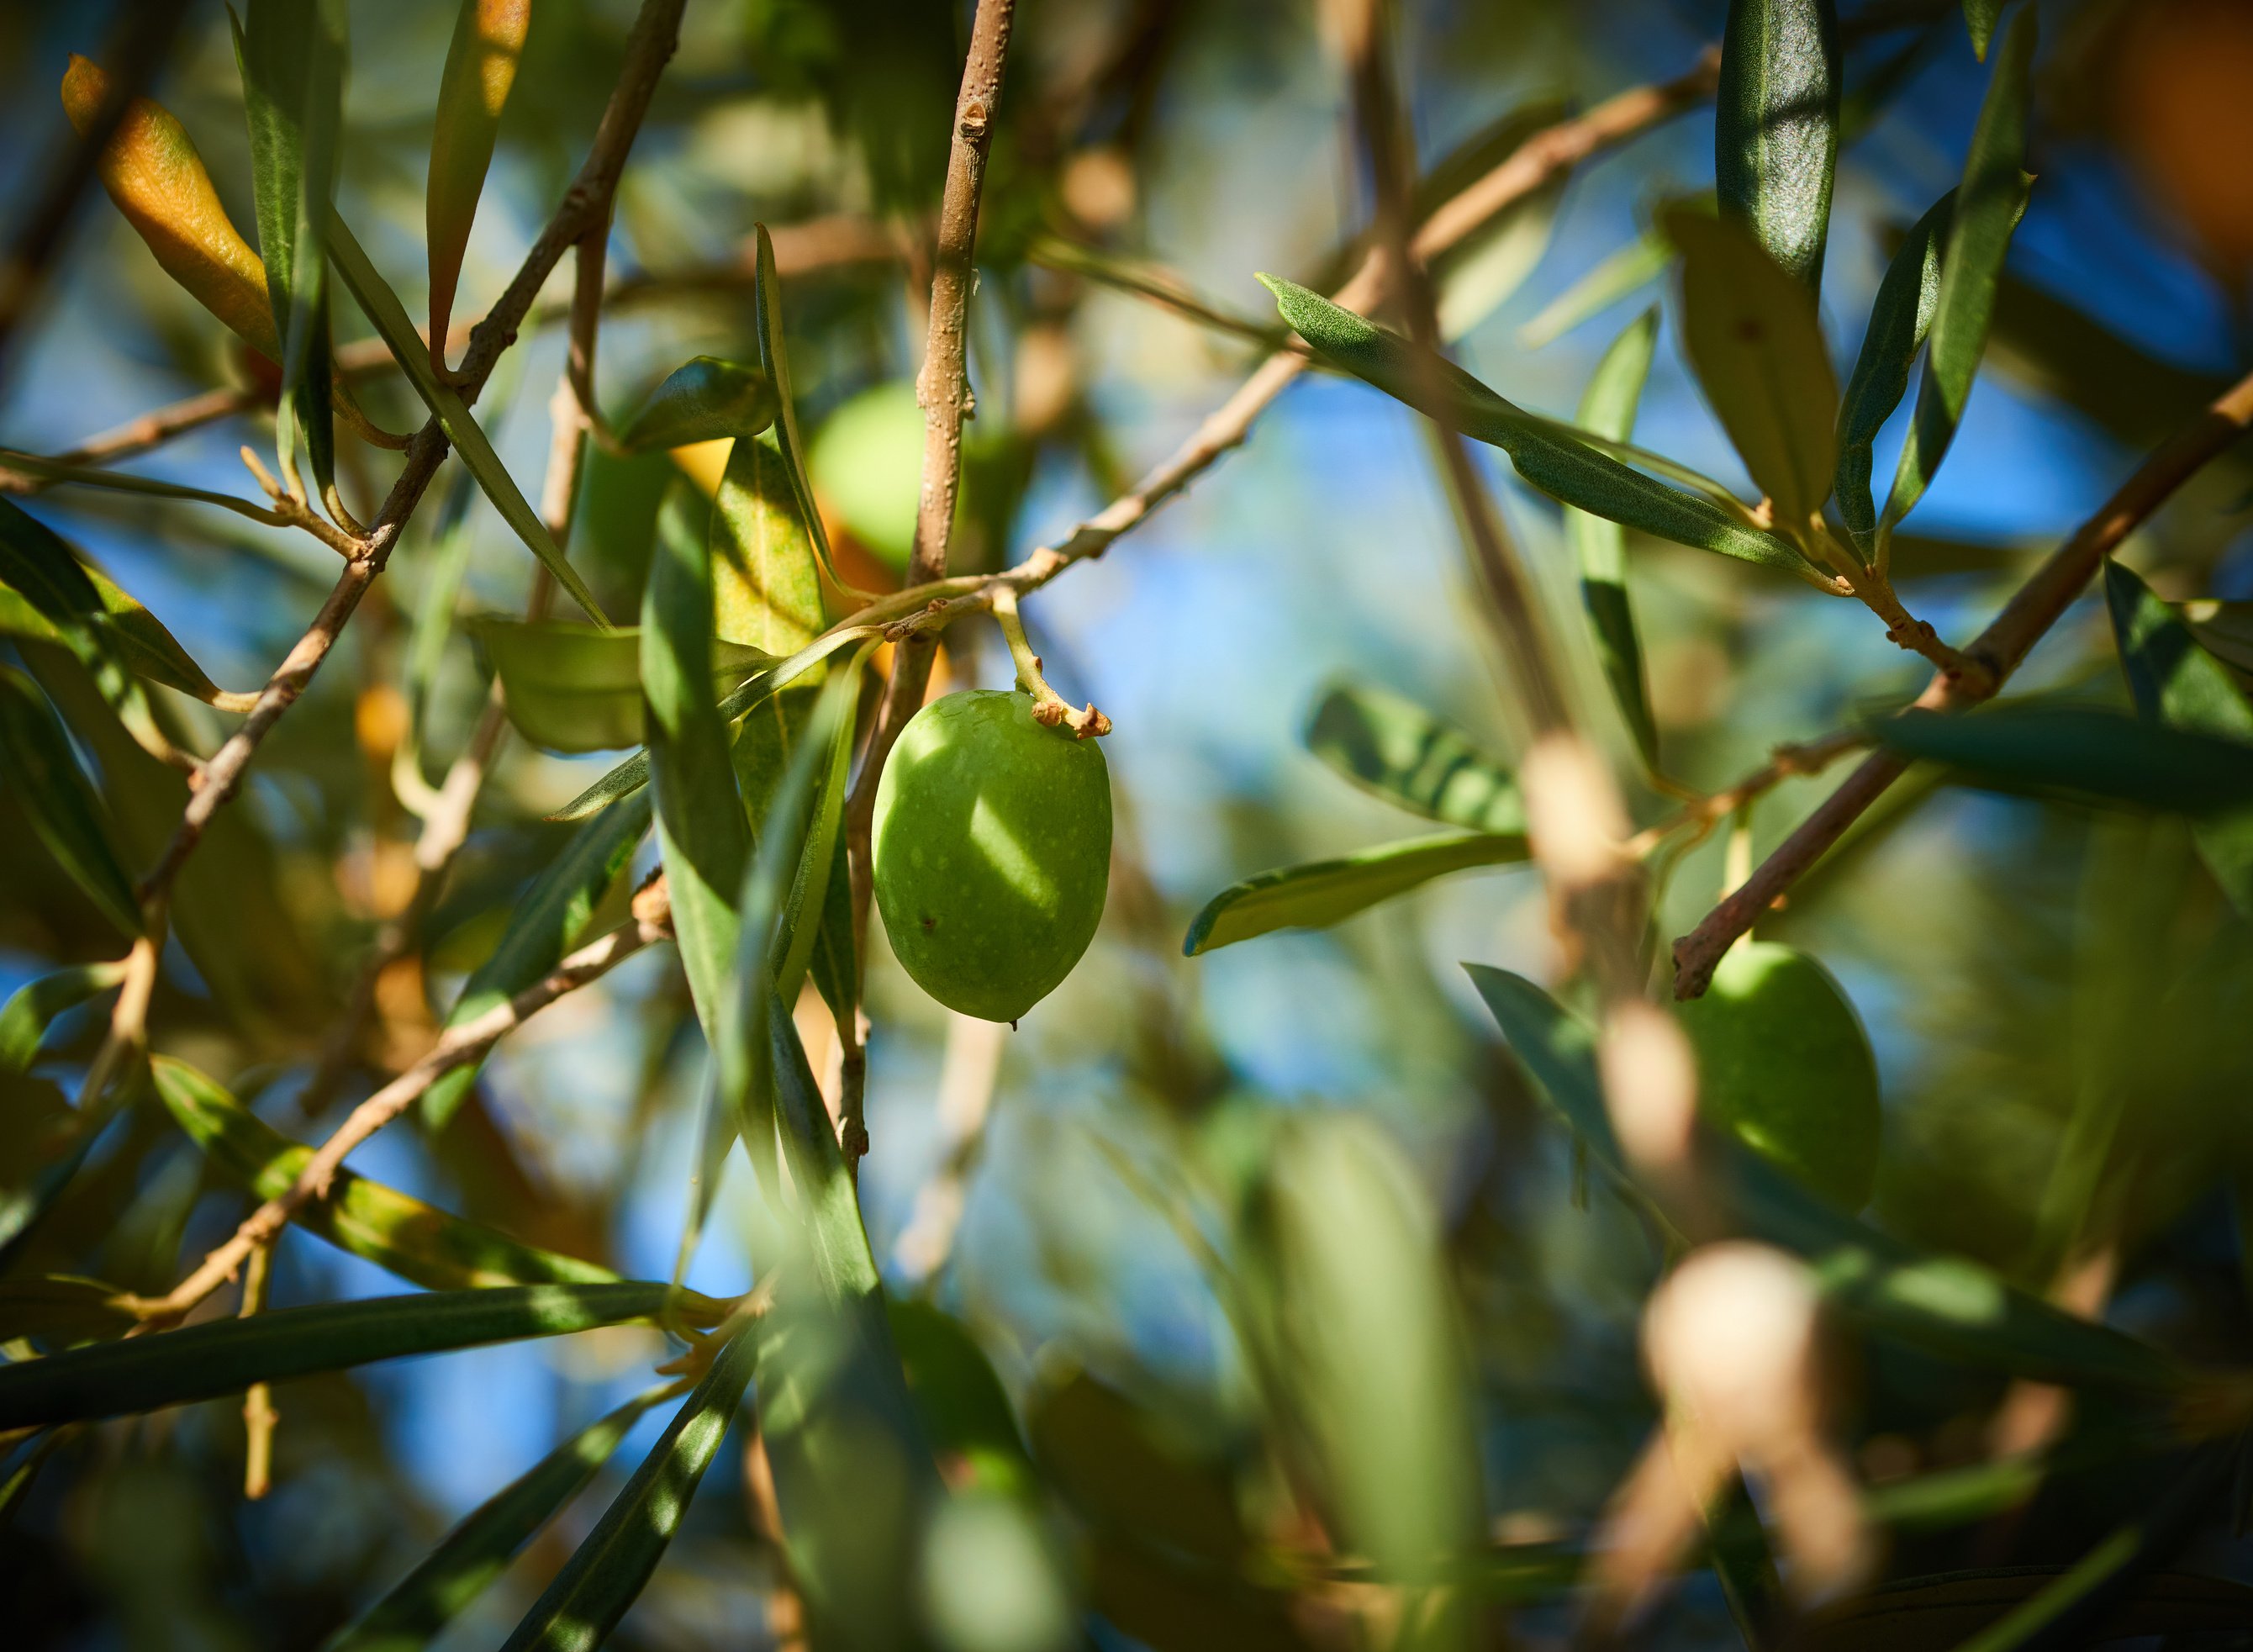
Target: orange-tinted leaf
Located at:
point(480, 69)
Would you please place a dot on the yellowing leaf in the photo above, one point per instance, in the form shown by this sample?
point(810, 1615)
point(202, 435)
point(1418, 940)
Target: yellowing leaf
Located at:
point(472, 88)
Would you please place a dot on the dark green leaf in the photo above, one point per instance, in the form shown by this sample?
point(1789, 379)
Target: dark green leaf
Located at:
point(1979, 19)
point(2080, 753)
point(1775, 128)
point(291, 54)
point(570, 688)
point(1396, 750)
point(964, 1410)
point(1989, 203)
point(470, 1556)
point(138, 635)
point(31, 1008)
point(1750, 331)
point(703, 400)
point(1325, 892)
point(1547, 455)
point(382, 306)
point(1899, 320)
point(1953, 1307)
point(446, 565)
point(1608, 408)
point(418, 1242)
point(62, 1306)
point(221, 1357)
point(543, 925)
point(608, 1571)
point(766, 577)
point(45, 778)
point(2177, 683)
point(702, 832)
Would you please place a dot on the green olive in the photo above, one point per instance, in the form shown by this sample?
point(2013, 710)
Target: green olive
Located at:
point(1783, 1062)
point(993, 852)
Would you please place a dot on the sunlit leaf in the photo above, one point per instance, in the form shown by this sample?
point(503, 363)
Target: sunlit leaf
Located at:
point(382, 306)
point(418, 1242)
point(33, 1006)
point(1899, 318)
point(138, 635)
point(1566, 469)
point(705, 399)
point(2081, 753)
point(544, 924)
point(1393, 747)
point(473, 89)
point(1775, 129)
point(1751, 332)
point(1989, 203)
point(223, 1356)
point(571, 687)
point(1608, 408)
point(773, 357)
point(292, 55)
point(1321, 893)
point(44, 777)
point(766, 578)
point(470, 1556)
point(2179, 684)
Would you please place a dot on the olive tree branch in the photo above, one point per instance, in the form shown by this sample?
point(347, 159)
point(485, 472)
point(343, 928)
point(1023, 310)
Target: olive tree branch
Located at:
point(1995, 654)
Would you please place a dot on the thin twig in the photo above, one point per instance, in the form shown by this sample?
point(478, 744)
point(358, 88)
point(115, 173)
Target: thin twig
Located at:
point(458, 1047)
point(258, 1413)
point(1998, 651)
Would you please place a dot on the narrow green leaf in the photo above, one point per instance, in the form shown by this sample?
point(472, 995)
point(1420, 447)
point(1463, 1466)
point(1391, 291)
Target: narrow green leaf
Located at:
point(1613, 278)
point(1394, 748)
point(1989, 203)
point(1953, 1307)
point(702, 832)
point(1325, 892)
point(124, 482)
point(703, 400)
point(766, 574)
point(767, 308)
point(62, 1306)
point(445, 565)
point(382, 308)
point(46, 780)
point(222, 1356)
point(33, 1006)
point(545, 923)
point(1775, 129)
point(1608, 408)
point(963, 1409)
point(1979, 19)
point(1477, 276)
point(470, 1556)
point(292, 55)
point(420, 1243)
point(1751, 332)
point(36, 565)
point(571, 687)
point(473, 89)
point(633, 774)
point(2180, 685)
point(2080, 753)
point(608, 1571)
point(1899, 320)
point(1562, 466)
point(138, 635)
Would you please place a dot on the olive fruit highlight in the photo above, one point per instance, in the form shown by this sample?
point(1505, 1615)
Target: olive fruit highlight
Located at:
point(1784, 1062)
point(992, 852)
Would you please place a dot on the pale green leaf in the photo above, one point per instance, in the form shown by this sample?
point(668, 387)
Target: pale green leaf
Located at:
point(1321, 893)
point(1608, 408)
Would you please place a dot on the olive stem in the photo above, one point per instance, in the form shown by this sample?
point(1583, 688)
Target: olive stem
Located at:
point(1050, 708)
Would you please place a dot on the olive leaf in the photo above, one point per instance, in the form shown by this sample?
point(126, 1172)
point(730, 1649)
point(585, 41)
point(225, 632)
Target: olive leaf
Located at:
point(473, 89)
point(766, 572)
point(1393, 747)
point(1899, 318)
point(1608, 408)
point(2080, 753)
point(766, 308)
point(1321, 892)
point(32, 1007)
point(705, 399)
point(1775, 129)
point(139, 638)
point(569, 687)
point(44, 777)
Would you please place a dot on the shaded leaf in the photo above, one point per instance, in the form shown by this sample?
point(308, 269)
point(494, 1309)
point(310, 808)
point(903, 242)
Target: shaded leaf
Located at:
point(703, 400)
point(1900, 317)
point(1321, 893)
point(382, 308)
point(418, 1242)
point(2080, 753)
point(473, 89)
point(1979, 19)
point(570, 688)
point(766, 579)
point(2061, 350)
point(1989, 203)
point(1548, 456)
point(62, 1306)
point(31, 1008)
point(44, 777)
point(472, 1555)
point(545, 923)
point(220, 1356)
point(965, 1411)
point(2179, 684)
point(1393, 747)
point(1775, 129)
point(138, 636)
point(1608, 408)
point(1750, 331)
